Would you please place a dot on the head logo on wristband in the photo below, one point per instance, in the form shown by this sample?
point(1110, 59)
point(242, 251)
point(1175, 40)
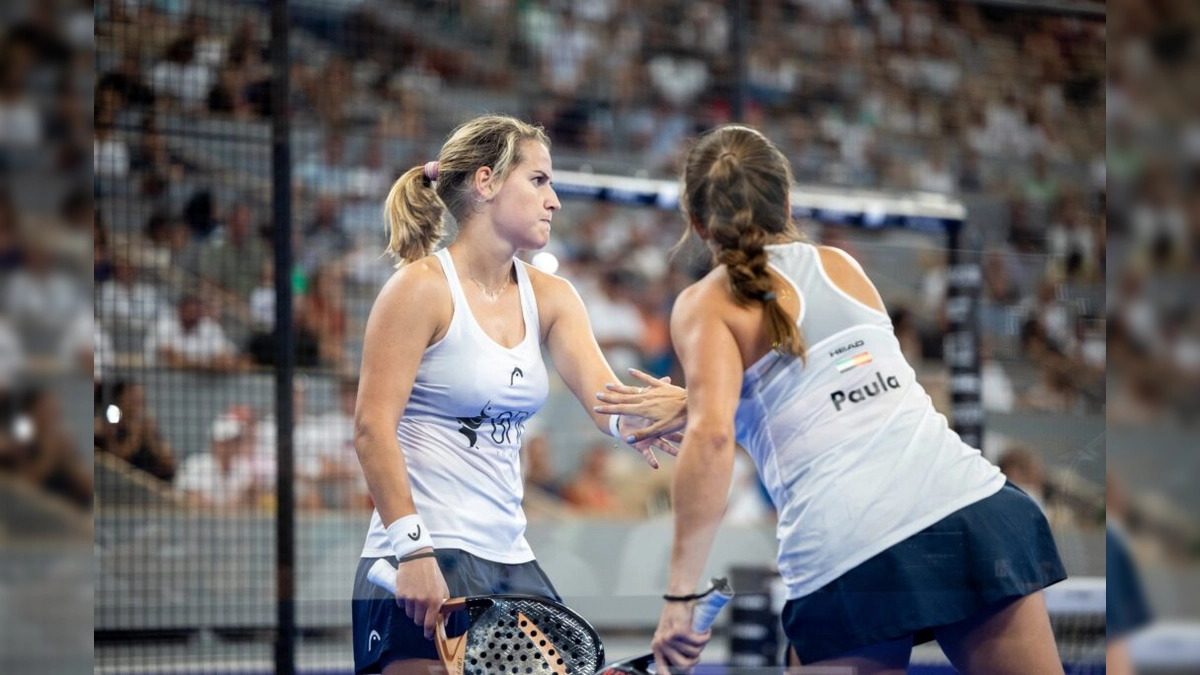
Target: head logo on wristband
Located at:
point(408, 534)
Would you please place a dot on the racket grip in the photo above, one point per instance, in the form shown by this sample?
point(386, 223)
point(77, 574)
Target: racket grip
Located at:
point(383, 575)
point(708, 607)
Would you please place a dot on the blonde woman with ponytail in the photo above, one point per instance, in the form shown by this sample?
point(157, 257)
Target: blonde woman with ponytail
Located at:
point(452, 370)
point(891, 529)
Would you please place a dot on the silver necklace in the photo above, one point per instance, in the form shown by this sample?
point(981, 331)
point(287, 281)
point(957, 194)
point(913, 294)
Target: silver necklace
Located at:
point(491, 295)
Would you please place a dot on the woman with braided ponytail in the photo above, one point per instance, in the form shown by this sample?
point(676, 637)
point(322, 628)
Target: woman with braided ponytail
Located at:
point(451, 371)
point(891, 530)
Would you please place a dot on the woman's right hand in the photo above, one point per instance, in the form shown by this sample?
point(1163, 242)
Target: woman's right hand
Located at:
point(661, 406)
point(421, 590)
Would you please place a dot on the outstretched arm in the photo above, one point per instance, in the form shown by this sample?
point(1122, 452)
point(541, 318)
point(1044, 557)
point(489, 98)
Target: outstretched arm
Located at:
point(578, 359)
point(712, 364)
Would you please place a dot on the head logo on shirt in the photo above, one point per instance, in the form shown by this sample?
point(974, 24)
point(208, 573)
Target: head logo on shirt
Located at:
point(516, 372)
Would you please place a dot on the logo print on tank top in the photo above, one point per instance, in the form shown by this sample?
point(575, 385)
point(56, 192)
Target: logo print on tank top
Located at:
point(515, 374)
point(470, 425)
point(507, 426)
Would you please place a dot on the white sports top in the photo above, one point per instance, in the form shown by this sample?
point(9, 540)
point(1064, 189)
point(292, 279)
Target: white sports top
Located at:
point(461, 433)
point(848, 444)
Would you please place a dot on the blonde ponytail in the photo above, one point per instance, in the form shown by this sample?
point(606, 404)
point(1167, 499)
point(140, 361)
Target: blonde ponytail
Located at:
point(416, 205)
point(413, 213)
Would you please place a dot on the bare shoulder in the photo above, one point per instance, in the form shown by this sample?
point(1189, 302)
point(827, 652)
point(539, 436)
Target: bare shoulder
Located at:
point(848, 275)
point(550, 290)
point(420, 284)
point(710, 296)
point(834, 258)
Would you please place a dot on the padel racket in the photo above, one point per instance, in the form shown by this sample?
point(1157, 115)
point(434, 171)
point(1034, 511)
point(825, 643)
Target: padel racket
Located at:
point(708, 606)
point(524, 634)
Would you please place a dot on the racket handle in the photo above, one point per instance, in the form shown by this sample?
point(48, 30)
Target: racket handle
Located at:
point(383, 575)
point(708, 607)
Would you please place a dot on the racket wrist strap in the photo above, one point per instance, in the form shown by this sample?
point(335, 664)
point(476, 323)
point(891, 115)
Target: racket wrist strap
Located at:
point(614, 426)
point(416, 556)
point(686, 598)
point(408, 535)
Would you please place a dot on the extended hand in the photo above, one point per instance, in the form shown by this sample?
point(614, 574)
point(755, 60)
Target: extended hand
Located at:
point(661, 406)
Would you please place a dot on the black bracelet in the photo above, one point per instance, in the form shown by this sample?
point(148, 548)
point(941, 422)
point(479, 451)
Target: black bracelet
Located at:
point(687, 598)
point(417, 556)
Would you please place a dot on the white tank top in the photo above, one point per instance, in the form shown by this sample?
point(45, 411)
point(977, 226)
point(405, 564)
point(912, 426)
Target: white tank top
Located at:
point(461, 432)
point(848, 444)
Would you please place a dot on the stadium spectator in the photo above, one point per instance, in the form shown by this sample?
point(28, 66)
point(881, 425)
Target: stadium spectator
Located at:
point(539, 467)
point(40, 298)
point(340, 481)
point(191, 340)
point(11, 249)
point(47, 455)
point(321, 312)
point(222, 478)
point(86, 346)
point(308, 441)
point(110, 153)
point(12, 355)
point(590, 491)
point(234, 260)
point(127, 301)
point(616, 321)
point(325, 240)
point(134, 436)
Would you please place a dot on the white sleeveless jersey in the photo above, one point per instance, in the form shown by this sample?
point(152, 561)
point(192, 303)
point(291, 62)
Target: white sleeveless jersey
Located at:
point(848, 444)
point(461, 433)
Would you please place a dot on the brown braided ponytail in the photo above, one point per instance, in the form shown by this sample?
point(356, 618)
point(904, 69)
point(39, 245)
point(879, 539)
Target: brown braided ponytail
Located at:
point(736, 185)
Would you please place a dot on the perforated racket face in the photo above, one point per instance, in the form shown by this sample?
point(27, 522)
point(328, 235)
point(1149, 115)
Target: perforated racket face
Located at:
point(527, 635)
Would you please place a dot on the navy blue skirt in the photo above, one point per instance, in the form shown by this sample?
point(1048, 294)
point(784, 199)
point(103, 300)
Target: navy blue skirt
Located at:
point(383, 632)
point(974, 560)
point(1126, 603)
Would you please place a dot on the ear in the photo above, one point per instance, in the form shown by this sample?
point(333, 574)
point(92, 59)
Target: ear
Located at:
point(484, 183)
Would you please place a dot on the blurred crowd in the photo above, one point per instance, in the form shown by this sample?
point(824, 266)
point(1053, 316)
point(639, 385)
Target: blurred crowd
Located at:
point(1003, 107)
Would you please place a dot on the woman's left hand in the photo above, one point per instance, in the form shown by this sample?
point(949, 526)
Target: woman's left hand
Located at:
point(659, 403)
point(676, 648)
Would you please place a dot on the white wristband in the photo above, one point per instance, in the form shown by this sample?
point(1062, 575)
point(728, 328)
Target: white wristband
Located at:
point(408, 534)
point(614, 426)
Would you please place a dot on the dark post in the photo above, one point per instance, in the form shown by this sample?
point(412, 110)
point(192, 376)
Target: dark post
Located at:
point(963, 285)
point(737, 56)
point(281, 198)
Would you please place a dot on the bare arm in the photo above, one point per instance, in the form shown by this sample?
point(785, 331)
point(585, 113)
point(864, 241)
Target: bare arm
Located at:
point(408, 315)
point(400, 327)
point(577, 356)
point(712, 364)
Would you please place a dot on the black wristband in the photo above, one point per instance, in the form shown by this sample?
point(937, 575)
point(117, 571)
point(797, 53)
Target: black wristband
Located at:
point(417, 556)
point(686, 598)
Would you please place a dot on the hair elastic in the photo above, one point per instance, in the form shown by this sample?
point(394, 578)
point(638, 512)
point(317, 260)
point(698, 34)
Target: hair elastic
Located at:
point(768, 296)
point(431, 170)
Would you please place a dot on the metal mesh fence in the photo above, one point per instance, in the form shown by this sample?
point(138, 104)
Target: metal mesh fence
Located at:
point(1000, 107)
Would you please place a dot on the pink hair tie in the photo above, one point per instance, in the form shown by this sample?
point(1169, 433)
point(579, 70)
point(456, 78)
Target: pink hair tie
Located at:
point(431, 170)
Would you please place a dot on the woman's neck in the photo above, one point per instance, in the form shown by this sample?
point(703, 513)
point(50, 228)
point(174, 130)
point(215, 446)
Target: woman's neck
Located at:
point(486, 259)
